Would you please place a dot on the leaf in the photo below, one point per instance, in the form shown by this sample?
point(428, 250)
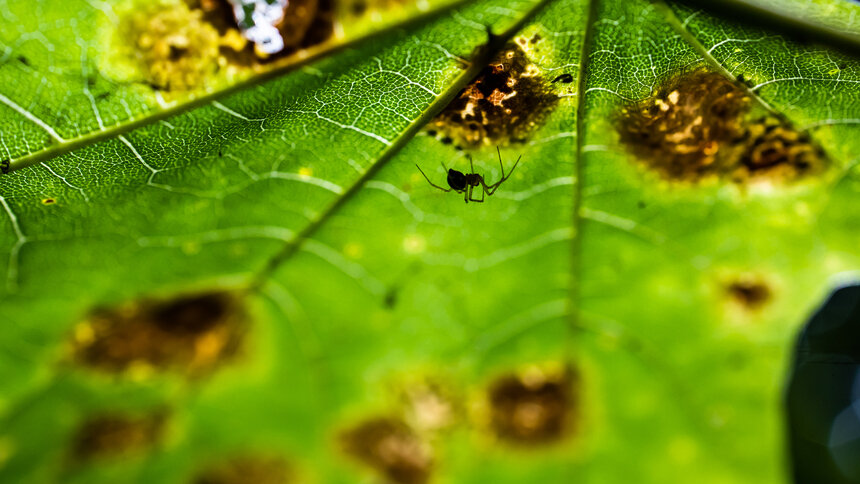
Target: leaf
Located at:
point(824, 21)
point(259, 277)
point(99, 86)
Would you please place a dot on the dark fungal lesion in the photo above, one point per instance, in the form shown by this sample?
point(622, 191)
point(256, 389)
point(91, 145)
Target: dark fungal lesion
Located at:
point(565, 78)
point(778, 150)
point(507, 101)
point(534, 407)
point(247, 468)
point(181, 45)
point(115, 435)
point(390, 447)
point(191, 334)
point(701, 125)
point(305, 23)
point(749, 292)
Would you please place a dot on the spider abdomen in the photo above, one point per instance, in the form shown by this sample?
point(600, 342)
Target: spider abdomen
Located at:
point(457, 180)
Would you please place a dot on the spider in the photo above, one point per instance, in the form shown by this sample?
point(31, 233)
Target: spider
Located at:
point(466, 182)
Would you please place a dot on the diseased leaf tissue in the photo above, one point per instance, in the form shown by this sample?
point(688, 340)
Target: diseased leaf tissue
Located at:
point(222, 266)
point(696, 127)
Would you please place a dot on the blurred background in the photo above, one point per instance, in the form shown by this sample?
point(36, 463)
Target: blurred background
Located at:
point(823, 394)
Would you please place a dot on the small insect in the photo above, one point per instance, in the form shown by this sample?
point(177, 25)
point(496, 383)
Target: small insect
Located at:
point(466, 182)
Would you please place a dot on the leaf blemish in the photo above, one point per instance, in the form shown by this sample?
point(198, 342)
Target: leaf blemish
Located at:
point(180, 45)
point(698, 127)
point(48, 201)
point(564, 78)
point(118, 435)
point(246, 469)
point(749, 292)
point(506, 102)
point(302, 24)
point(358, 7)
point(391, 448)
point(534, 407)
point(429, 406)
point(193, 333)
point(172, 45)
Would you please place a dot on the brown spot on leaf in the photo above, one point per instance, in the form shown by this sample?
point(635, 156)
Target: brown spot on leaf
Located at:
point(118, 435)
point(504, 104)
point(534, 407)
point(358, 7)
point(192, 333)
point(176, 48)
point(49, 201)
point(184, 45)
point(749, 292)
point(391, 448)
point(247, 469)
point(696, 126)
point(778, 150)
point(565, 78)
point(305, 23)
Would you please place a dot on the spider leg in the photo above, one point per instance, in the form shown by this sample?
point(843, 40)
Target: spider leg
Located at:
point(471, 164)
point(431, 183)
point(467, 194)
point(496, 185)
point(492, 188)
point(472, 198)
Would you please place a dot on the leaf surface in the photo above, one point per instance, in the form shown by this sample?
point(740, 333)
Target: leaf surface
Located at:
point(364, 285)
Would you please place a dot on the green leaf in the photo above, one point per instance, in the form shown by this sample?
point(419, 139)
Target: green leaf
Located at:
point(257, 279)
point(824, 20)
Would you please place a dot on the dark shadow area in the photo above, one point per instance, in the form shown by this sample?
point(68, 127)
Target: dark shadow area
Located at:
point(800, 29)
point(823, 395)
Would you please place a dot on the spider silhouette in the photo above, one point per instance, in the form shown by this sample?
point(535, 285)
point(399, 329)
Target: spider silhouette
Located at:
point(466, 182)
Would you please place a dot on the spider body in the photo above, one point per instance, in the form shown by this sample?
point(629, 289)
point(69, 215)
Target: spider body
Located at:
point(466, 183)
point(458, 181)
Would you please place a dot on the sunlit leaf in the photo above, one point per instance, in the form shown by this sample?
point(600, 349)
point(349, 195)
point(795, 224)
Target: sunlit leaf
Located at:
point(250, 276)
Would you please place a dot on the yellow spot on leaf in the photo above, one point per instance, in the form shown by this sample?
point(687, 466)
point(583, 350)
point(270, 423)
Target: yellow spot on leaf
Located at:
point(306, 171)
point(833, 71)
point(139, 370)
point(674, 96)
point(414, 244)
point(163, 43)
point(353, 250)
point(234, 40)
point(49, 201)
point(84, 334)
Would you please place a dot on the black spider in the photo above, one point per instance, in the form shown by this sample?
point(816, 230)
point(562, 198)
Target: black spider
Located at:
point(466, 182)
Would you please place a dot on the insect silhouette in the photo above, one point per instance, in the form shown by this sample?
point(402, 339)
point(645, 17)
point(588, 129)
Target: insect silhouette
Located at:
point(466, 183)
